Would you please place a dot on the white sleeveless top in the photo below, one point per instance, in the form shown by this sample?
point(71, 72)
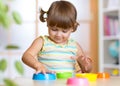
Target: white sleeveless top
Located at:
point(57, 57)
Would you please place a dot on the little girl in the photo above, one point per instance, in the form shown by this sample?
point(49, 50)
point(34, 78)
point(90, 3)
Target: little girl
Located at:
point(57, 52)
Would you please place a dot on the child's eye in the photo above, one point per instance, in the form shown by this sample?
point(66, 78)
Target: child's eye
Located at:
point(64, 31)
point(54, 29)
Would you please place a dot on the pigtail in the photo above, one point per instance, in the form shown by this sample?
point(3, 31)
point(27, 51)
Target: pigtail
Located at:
point(43, 15)
point(75, 26)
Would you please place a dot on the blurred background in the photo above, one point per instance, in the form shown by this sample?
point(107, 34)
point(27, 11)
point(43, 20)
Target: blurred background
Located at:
point(20, 25)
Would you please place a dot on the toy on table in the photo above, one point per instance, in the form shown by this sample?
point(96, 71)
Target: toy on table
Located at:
point(77, 82)
point(41, 76)
point(89, 76)
point(64, 75)
point(103, 75)
point(115, 72)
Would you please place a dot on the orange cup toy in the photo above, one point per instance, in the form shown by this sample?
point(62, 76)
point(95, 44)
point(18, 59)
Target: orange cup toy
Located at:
point(103, 75)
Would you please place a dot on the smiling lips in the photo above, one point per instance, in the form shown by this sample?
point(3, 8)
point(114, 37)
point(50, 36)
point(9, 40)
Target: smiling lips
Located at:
point(57, 38)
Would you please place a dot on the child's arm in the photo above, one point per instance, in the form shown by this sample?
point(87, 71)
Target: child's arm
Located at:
point(84, 62)
point(30, 56)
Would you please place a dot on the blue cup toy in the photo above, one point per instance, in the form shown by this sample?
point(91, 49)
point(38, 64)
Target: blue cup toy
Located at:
point(41, 76)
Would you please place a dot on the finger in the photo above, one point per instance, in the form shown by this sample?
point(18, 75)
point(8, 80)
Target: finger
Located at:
point(86, 68)
point(88, 60)
point(81, 57)
point(73, 57)
point(37, 71)
point(44, 71)
point(52, 72)
point(49, 71)
point(79, 71)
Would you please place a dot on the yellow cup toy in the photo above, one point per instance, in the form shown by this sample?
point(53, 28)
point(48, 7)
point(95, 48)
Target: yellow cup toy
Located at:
point(89, 76)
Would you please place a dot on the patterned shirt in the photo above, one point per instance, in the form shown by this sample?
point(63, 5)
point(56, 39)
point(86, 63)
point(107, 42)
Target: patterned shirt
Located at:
point(57, 57)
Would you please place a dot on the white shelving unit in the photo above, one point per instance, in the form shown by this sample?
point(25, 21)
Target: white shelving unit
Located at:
point(109, 34)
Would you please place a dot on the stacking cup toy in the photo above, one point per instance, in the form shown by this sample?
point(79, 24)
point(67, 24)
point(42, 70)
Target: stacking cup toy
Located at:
point(89, 76)
point(41, 76)
point(64, 75)
point(103, 75)
point(77, 82)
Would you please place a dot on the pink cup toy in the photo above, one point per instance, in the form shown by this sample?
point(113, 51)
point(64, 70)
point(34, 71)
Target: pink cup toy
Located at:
point(77, 82)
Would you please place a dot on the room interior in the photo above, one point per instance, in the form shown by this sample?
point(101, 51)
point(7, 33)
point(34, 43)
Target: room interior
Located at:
point(16, 38)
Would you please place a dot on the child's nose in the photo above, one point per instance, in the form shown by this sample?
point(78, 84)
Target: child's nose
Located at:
point(58, 33)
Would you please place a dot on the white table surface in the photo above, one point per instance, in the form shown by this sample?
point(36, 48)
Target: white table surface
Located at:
point(113, 81)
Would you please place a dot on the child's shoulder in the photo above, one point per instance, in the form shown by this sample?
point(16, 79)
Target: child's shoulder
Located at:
point(39, 39)
point(44, 37)
point(73, 41)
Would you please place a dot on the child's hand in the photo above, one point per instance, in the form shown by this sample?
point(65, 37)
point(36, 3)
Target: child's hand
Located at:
point(40, 68)
point(85, 63)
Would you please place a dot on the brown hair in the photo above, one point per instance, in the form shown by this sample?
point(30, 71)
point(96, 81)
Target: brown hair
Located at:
point(61, 14)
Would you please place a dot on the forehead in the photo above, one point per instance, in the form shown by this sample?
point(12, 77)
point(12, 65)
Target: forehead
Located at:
point(59, 28)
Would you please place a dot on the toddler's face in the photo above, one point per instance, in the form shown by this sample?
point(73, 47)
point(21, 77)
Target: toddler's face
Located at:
point(59, 35)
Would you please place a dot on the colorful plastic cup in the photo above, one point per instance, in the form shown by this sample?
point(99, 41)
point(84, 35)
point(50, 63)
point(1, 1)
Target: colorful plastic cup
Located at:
point(41, 76)
point(103, 75)
point(64, 75)
point(89, 76)
point(77, 82)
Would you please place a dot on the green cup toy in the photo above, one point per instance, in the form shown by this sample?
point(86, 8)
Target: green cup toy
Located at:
point(64, 75)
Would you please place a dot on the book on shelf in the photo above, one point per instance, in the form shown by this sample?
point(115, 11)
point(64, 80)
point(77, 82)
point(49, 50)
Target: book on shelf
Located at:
point(106, 26)
point(111, 25)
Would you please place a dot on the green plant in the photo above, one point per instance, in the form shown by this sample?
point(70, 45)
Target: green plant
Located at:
point(6, 17)
point(18, 66)
point(3, 65)
point(9, 82)
point(11, 46)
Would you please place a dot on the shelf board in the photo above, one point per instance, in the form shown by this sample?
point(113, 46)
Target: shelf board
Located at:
point(110, 9)
point(111, 12)
point(111, 66)
point(111, 38)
